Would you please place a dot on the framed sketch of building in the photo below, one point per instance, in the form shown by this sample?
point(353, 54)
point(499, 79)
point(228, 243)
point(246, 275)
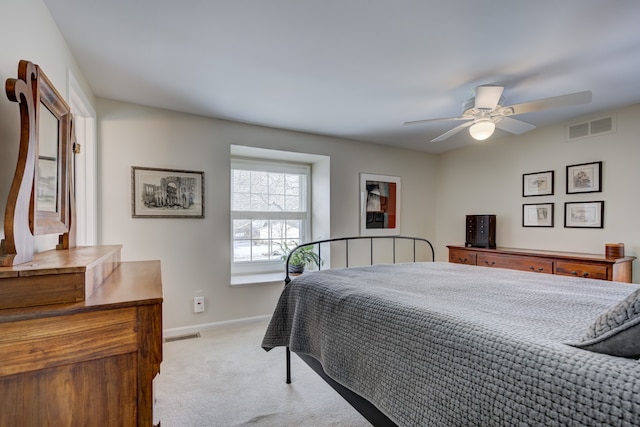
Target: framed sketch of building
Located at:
point(166, 193)
point(584, 178)
point(537, 215)
point(584, 214)
point(537, 184)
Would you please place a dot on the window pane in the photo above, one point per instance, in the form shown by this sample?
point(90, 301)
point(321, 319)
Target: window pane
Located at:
point(267, 191)
point(241, 229)
point(241, 202)
point(259, 229)
point(259, 182)
point(276, 183)
point(241, 250)
point(263, 239)
point(277, 229)
point(293, 229)
point(260, 250)
point(291, 243)
point(277, 250)
point(292, 204)
point(259, 202)
point(276, 203)
point(292, 184)
point(241, 181)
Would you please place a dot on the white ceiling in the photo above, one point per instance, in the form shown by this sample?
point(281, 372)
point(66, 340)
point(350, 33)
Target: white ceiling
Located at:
point(355, 69)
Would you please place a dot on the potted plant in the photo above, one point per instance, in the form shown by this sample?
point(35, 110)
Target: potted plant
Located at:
point(304, 256)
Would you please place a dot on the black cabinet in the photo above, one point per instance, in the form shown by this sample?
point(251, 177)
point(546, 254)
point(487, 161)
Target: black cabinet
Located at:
point(481, 231)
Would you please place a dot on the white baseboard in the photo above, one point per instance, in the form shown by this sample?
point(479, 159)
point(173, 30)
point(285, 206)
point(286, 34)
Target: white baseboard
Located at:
point(184, 330)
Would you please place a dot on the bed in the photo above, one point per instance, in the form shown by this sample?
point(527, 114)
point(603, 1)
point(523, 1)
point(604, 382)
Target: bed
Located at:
point(443, 344)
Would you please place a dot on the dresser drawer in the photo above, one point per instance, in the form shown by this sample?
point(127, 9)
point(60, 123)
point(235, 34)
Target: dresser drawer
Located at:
point(499, 261)
point(577, 269)
point(462, 257)
point(516, 263)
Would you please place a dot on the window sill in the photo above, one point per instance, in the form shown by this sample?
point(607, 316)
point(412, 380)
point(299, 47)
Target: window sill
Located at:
point(253, 279)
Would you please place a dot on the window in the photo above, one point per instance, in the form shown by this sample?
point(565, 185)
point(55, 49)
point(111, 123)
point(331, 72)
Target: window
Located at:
point(269, 210)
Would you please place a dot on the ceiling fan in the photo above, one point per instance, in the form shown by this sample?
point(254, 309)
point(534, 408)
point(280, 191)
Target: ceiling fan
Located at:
point(485, 111)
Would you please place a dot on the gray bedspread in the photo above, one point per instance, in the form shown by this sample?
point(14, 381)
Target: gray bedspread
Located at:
point(440, 344)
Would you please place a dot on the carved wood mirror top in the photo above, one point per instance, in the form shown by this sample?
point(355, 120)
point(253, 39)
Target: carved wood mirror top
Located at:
point(41, 196)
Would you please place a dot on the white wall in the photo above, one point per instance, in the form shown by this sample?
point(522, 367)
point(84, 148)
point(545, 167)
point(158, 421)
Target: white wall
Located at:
point(28, 32)
point(195, 253)
point(487, 178)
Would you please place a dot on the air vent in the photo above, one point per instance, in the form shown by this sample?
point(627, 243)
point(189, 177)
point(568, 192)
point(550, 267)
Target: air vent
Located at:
point(182, 337)
point(601, 125)
point(591, 128)
point(579, 131)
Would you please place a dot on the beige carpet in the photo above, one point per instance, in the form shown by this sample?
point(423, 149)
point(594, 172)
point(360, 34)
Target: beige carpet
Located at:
point(224, 378)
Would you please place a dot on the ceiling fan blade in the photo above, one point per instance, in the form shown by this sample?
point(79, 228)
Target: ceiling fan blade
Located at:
point(514, 126)
point(553, 102)
point(417, 122)
point(453, 131)
point(487, 97)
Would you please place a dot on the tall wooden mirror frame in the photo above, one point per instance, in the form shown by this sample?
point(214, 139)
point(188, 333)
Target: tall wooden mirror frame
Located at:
point(36, 95)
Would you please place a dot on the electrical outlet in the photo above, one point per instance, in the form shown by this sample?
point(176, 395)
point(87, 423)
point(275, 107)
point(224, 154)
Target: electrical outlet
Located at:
point(198, 304)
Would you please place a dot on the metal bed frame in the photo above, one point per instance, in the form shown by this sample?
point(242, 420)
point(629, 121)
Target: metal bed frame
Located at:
point(363, 406)
point(346, 241)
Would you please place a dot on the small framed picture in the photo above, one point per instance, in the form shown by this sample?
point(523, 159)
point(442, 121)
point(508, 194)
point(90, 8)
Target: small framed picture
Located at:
point(584, 178)
point(584, 214)
point(537, 215)
point(537, 184)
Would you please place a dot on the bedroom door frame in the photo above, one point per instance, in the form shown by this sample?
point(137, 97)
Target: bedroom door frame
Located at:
point(85, 163)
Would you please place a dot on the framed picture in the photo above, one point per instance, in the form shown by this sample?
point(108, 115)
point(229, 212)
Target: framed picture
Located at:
point(166, 193)
point(584, 214)
point(537, 184)
point(537, 215)
point(379, 205)
point(584, 178)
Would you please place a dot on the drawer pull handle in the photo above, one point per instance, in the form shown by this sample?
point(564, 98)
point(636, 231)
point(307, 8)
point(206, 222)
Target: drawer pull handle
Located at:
point(532, 268)
point(492, 263)
point(541, 269)
point(462, 260)
point(585, 274)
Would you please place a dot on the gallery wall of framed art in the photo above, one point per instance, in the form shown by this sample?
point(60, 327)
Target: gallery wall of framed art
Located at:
point(579, 179)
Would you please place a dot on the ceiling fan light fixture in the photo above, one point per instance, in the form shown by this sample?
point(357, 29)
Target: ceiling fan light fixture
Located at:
point(482, 130)
point(486, 108)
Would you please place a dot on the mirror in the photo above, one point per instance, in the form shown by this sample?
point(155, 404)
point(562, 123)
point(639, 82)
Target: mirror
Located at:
point(41, 199)
point(47, 170)
point(53, 118)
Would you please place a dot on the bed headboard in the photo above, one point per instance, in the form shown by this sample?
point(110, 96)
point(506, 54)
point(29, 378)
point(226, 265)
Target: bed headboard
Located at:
point(318, 245)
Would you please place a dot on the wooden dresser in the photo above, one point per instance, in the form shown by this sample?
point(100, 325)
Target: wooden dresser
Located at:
point(85, 362)
point(551, 262)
